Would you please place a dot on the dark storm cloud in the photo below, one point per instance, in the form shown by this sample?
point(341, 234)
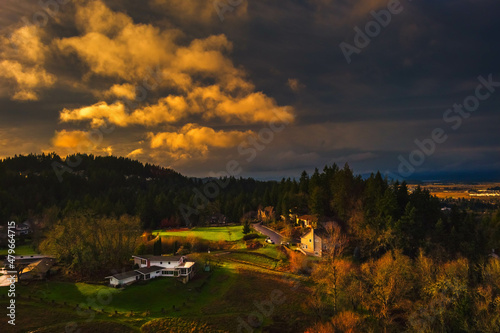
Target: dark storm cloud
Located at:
point(367, 112)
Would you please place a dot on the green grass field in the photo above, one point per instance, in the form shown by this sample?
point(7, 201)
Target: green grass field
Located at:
point(154, 295)
point(21, 250)
point(217, 299)
point(233, 233)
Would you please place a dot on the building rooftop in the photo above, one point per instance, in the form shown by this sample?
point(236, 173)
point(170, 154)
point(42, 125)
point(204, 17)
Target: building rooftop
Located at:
point(186, 264)
point(123, 276)
point(147, 270)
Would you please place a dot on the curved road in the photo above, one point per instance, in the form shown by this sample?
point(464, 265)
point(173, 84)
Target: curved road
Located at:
point(277, 238)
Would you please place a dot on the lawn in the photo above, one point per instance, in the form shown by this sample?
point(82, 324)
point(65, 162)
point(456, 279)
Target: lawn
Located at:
point(270, 251)
point(154, 295)
point(232, 233)
point(230, 292)
point(260, 260)
point(21, 250)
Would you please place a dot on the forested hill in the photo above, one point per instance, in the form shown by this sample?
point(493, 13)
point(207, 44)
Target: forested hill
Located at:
point(377, 214)
point(111, 186)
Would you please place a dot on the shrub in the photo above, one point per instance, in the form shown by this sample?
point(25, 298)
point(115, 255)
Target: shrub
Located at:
point(250, 236)
point(175, 325)
point(253, 244)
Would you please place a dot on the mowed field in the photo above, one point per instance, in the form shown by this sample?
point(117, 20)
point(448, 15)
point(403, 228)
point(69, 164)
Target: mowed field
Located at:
point(21, 250)
point(231, 233)
point(458, 191)
point(232, 292)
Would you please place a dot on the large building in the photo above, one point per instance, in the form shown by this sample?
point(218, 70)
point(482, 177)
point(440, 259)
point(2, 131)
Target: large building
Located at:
point(150, 267)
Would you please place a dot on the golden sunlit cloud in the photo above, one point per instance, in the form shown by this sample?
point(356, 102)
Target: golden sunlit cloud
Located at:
point(125, 90)
point(209, 102)
point(23, 56)
point(27, 44)
point(77, 140)
point(27, 79)
point(135, 153)
point(193, 138)
point(202, 79)
point(113, 46)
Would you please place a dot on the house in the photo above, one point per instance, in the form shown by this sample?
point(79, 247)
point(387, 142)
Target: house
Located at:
point(123, 279)
point(38, 270)
point(218, 219)
point(23, 229)
point(310, 221)
point(148, 273)
point(32, 267)
point(494, 255)
point(313, 242)
point(151, 267)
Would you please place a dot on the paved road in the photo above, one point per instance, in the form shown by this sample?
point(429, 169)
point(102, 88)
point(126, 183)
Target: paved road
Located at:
point(277, 238)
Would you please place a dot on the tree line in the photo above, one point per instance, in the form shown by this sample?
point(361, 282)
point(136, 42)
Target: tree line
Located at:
point(379, 215)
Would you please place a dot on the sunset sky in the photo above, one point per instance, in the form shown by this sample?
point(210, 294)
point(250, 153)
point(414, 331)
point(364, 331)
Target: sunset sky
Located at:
point(190, 84)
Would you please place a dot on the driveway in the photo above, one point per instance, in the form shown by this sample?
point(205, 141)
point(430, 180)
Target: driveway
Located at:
point(277, 238)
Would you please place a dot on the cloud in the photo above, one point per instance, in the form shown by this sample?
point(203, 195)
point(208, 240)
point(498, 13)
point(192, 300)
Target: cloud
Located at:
point(195, 139)
point(125, 90)
point(72, 139)
point(22, 61)
point(204, 11)
point(168, 109)
point(135, 153)
point(196, 80)
point(209, 102)
point(344, 12)
point(295, 85)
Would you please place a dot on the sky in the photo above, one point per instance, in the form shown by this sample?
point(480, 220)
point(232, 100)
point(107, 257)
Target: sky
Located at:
point(256, 88)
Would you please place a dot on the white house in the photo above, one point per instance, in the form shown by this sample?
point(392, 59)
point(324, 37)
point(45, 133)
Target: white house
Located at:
point(151, 267)
point(148, 273)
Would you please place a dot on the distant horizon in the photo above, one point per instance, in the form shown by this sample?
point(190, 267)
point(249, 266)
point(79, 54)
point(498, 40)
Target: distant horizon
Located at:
point(464, 176)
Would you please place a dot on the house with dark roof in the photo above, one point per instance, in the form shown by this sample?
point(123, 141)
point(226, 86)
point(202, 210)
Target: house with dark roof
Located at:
point(23, 228)
point(123, 279)
point(307, 221)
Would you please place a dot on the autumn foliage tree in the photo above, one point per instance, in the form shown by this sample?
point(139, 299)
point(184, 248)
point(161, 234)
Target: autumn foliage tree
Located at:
point(90, 244)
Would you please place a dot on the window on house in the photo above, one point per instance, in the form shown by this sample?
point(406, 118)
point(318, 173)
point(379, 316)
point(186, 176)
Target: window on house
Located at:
point(147, 276)
point(143, 261)
point(310, 240)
